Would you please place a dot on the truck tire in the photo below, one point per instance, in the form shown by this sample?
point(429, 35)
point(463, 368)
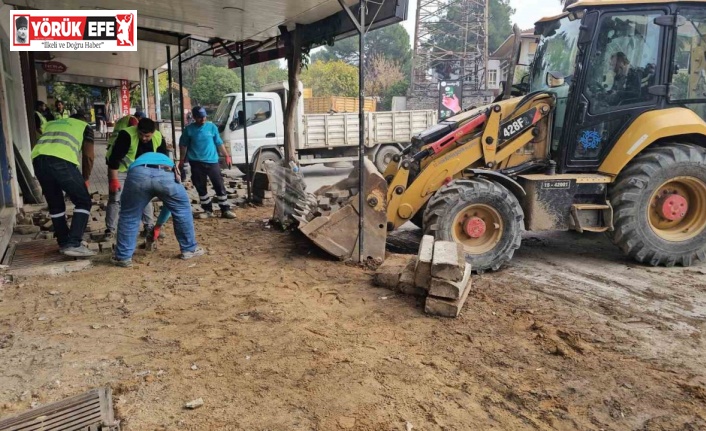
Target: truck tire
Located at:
point(480, 214)
point(659, 204)
point(384, 156)
point(267, 156)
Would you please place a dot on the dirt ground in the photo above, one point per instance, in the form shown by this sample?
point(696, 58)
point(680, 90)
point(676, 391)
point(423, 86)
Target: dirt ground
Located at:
point(273, 335)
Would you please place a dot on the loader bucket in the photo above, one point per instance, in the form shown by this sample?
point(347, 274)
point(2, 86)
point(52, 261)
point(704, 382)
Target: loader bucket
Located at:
point(329, 217)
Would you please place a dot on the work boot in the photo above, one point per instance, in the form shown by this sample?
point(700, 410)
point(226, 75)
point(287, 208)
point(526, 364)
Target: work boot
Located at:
point(228, 214)
point(205, 215)
point(191, 254)
point(80, 251)
point(121, 263)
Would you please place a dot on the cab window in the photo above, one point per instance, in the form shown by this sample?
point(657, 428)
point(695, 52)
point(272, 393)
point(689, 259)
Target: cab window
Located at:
point(624, 62)
point(257, 111)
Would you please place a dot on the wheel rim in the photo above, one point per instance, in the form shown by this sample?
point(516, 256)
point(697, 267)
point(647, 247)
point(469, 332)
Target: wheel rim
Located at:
point(677, 210)
point(478, 227)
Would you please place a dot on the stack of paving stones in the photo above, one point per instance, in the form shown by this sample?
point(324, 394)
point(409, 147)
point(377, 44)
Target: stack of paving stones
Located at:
point(438, 273)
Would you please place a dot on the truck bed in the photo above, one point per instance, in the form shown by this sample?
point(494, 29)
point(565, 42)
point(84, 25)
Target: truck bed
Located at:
point(340, 130)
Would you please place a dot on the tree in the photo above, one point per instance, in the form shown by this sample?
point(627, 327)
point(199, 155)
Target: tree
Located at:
point(391, 41)
point(261, 74)
point(500, 23)
point(73, 95)
point(331, 78)
point(380, 75)
point(212, 83)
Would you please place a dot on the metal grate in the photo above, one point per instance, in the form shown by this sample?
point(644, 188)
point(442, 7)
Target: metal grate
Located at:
point(34, 253)
point(92, 411)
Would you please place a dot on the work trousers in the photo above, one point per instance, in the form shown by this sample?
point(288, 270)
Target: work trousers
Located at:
point(57, 176)
point(113, 209)
point(141, 185)
point(200, 174)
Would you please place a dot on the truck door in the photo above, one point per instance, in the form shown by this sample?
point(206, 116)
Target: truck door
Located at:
point(624, 62)
point(262, 127)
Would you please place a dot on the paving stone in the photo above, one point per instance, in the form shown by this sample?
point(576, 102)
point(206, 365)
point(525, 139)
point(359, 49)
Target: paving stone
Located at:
point(27, 229)
point(406, 284)
point(441, 288)
point(388, 274)
point(422, 273)
point(449, 261)
point(446, 307)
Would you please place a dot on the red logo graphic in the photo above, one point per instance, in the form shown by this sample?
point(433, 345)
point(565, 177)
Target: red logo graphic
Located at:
point(125, 33)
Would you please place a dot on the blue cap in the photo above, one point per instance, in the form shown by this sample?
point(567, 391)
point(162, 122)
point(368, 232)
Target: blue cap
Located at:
point(140, 114)
point(198, 112)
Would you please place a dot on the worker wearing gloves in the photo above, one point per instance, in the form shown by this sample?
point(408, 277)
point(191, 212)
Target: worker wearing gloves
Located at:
point(154, 175)
point(56, 159)
point(130, 144)
point(201, 143)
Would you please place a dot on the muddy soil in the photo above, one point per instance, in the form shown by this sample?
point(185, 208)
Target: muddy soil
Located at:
point(273, 335)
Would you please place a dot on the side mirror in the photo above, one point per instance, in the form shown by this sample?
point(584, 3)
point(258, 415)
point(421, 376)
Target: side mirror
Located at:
point(233, 125)
point(555, 79)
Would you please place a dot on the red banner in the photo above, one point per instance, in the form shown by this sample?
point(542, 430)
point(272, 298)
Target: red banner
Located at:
point(125, 97)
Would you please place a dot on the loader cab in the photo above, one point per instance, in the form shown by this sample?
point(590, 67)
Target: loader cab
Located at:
point(606, 67)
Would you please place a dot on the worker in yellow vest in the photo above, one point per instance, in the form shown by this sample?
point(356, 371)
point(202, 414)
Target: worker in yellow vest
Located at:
point(60, 111)
point(130, 144)
point(40, 117)
point(56, 161)
point(121, 124)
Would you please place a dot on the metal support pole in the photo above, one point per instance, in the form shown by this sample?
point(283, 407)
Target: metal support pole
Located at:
point(171, 101)
point(361, 127)
point(157, 101)
point(245, 126)
point(181, 93)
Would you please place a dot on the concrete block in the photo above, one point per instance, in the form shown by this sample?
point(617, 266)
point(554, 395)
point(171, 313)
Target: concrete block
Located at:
point(406, 284)
point(422, 273)
point(58, 268)
point(447, 307)
point(441, 288)
point(27, 229)
point(449, 261)
point(388, 274)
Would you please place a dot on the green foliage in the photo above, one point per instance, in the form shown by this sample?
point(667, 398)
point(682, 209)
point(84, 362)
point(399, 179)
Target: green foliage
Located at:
point(500, 23)
point(212, 83)
point(399, 89)
point(392, 42)
point(73, 95)
point(331, 78)
point(261, 74)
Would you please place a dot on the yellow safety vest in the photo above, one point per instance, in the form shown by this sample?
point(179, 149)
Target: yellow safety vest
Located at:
point(42, 121)
point(134, 143)
point(62, 139)
point(121, 124)
point(58, 115)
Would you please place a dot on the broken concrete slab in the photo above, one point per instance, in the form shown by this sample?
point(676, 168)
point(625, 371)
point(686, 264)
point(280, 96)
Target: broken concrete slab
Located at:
point(446, 307)
point(422, 273)
point(441, 288)
point(449, 261)
point(58, 268)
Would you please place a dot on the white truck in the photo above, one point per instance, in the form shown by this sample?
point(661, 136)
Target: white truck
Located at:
point(320, 138)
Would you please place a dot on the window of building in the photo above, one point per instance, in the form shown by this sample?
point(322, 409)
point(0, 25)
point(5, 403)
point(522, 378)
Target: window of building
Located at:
point(492, 78)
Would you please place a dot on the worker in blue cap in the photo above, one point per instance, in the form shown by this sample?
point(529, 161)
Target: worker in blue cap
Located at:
point(201, 143)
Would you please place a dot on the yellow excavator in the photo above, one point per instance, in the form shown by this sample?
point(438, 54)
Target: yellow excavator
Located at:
point(607, 134)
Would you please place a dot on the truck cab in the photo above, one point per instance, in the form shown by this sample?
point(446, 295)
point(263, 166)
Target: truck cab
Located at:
point(264, 117)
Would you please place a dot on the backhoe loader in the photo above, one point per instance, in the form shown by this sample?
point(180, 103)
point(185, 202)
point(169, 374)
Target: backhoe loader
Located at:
point(609, 137)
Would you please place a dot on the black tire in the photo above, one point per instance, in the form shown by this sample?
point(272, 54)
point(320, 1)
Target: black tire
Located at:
point(631, 197)
point(450, 201)
point(267, 156)
point(384, 156)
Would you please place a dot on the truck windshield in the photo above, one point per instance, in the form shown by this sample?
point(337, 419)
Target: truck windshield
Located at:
point(220, 119)
point(556, 52)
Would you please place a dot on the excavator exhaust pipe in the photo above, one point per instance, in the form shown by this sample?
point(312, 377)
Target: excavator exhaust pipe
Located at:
point(329, 217)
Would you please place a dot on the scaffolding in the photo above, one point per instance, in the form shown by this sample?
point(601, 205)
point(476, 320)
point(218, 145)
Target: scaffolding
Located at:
point(450, 45)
